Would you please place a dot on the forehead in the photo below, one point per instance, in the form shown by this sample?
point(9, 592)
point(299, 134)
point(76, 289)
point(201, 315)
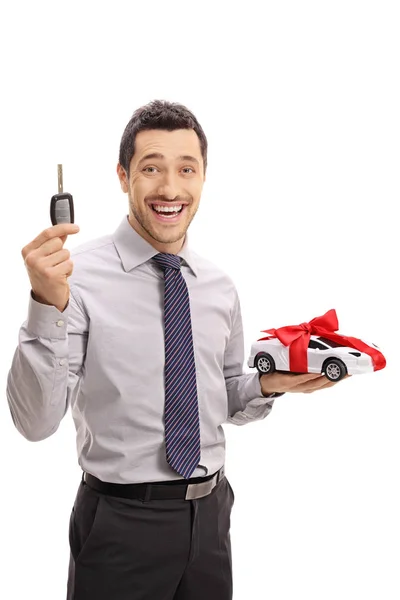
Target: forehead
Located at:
point(170, 143)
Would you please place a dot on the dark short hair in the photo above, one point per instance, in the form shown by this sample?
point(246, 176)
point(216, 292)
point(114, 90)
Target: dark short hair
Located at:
point(159, 114)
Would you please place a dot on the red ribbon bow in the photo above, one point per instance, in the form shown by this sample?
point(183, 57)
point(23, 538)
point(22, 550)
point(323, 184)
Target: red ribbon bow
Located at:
point(297, 338)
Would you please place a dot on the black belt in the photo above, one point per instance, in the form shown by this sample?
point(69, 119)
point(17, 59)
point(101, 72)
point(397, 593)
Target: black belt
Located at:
point(189, 489)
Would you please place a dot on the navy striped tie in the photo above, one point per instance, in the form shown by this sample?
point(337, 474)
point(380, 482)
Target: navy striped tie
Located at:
point(182, 427)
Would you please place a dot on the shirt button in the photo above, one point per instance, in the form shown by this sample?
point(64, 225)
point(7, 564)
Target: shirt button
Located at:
point(62, 362)
point(60, 323)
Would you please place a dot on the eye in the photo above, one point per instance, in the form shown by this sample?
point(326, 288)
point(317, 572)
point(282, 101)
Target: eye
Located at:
point(188, 170)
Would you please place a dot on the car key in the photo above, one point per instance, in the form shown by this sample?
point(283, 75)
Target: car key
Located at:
point(62, 204)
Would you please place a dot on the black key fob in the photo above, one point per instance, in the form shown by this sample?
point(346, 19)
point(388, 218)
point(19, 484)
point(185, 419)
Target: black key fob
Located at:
point(62, 205)
point(62, 209)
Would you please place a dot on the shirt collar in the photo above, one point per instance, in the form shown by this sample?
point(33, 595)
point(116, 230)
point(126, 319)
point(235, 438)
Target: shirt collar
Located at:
point(133, 250)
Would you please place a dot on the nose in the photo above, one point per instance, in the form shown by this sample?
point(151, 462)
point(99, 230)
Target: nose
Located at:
point(168, 187)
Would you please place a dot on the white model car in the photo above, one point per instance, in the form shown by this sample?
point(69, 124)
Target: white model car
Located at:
point(323, 355)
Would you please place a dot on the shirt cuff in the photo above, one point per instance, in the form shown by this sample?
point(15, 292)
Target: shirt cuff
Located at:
point(257, 406)
point(46, 321)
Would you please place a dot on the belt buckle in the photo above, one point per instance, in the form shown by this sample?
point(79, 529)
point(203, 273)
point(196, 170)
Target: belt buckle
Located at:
point(199, 490)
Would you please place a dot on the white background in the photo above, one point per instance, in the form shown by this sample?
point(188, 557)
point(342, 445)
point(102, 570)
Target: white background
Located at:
point(300, 104)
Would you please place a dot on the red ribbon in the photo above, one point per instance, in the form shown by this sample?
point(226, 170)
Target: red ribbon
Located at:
point(297, 338)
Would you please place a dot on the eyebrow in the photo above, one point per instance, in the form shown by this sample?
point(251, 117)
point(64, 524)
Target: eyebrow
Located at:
point(160, 156)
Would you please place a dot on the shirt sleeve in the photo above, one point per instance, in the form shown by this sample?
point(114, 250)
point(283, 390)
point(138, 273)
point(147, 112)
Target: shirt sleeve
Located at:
point(246, 402)
point(46, 367)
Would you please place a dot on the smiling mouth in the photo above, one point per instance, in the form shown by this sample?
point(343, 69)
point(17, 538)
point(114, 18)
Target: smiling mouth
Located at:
point(168, 213)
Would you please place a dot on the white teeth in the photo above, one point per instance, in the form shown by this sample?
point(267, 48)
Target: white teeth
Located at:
point(167, 208)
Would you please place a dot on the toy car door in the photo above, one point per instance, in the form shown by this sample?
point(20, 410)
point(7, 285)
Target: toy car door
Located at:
point(316, 354)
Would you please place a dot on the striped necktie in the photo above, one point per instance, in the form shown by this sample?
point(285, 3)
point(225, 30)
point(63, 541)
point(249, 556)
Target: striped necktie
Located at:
point(182, 427)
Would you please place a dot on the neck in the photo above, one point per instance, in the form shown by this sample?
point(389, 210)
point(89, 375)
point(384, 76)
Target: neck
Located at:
point(168, 247)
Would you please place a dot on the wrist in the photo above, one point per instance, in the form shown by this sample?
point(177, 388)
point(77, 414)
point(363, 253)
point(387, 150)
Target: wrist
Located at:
point(266, 390)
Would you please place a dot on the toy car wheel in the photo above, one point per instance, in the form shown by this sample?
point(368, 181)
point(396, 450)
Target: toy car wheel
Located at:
point(264, 363)
point(334, 369)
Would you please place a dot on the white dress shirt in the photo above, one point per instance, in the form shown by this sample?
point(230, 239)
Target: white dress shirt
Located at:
point(104, 357)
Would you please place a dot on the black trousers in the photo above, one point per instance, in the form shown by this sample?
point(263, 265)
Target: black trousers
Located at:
point(160, 549)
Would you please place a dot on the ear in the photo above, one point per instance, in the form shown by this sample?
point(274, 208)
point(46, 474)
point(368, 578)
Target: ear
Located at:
point(123, 179)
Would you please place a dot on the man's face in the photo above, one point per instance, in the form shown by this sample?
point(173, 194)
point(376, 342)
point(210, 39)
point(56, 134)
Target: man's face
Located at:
point(172, 178)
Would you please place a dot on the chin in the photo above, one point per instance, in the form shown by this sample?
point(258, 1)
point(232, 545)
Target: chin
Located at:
point(168, 235)
point(169, 239)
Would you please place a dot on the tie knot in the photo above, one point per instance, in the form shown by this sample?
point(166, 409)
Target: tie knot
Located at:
point(166, 260)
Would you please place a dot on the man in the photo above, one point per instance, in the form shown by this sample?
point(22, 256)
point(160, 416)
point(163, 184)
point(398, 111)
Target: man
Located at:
point(145, 344)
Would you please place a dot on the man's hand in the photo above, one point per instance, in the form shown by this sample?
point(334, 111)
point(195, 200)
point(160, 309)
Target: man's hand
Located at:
point(291, 382)
point(49, 265)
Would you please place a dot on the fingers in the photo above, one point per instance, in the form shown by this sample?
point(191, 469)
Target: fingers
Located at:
point(56, 231)
point(322, 387)
point(300, 377)
point(326, 385)
point(306, 381)
point(47, 255)
point(293, 380)
point(295, 383)
point(55, 258)
point(311, 386)
point(63, 268)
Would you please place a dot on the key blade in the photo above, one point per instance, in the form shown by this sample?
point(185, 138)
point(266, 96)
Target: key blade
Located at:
point(60, 179)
